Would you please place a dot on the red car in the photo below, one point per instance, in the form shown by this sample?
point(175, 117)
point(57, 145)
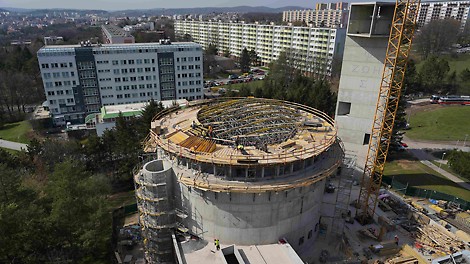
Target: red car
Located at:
point(404, 144)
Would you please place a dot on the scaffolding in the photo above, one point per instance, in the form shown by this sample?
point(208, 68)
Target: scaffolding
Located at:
point(253, 122)
point(343, 194)
point(156, 212)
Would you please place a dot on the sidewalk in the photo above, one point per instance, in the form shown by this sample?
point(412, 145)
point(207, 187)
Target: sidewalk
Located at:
point(13, 145)
point(417, 149)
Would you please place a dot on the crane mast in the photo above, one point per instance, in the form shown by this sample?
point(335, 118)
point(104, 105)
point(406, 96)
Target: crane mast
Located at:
point(399, 45)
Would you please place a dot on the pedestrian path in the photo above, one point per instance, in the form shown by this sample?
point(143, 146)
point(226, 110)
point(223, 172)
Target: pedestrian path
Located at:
point(13, 145)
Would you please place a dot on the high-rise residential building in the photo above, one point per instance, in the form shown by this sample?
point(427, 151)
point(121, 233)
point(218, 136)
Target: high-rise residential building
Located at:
point(113, 34)
point(315, 48)
point(434, 10)
point(333, 15)
point(79, 79)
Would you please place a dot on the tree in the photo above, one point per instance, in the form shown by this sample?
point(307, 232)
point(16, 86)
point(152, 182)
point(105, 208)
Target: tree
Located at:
point(433, 74)
point(78, 211)
point(411, 82)
point(254, 59)
point(148, 114)
point(437, 36)
point(245, 60)
point(211, 49)
point(226, 52)
point(244, 91)
point(465, 75)
point(458, 161)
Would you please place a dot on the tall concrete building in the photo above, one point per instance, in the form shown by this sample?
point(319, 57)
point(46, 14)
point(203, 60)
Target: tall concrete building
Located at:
point(246, 171)
point(365, 49)
point(434, 10)
point(333, 15)
point(79, 79)
point(113, 34)
point(315, 48)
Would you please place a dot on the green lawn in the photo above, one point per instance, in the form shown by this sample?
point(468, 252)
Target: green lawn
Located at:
point(420, 176)
point(251, 85)
point(17, 132)
point(447, 123)
point(457, 64)
point(122, 199)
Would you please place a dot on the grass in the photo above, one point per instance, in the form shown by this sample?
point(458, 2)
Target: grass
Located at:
point(11, 151)
point(448, 123)
point(17, 132)
point(420, 176)
point(447, 168)
point(251, 85)
point(122, 199)
point(457, 64)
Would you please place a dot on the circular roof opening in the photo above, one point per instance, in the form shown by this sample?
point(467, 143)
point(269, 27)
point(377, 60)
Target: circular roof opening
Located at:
point(254, 122)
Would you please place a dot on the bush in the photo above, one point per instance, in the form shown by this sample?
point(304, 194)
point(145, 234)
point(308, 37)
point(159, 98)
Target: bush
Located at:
point(458, 161)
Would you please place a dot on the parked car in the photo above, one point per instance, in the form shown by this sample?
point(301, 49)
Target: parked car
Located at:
point(404, 144)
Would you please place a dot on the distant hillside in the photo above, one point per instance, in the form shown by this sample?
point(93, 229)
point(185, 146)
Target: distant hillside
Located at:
point(205, 10)
point(162, 11)
point(17, 10)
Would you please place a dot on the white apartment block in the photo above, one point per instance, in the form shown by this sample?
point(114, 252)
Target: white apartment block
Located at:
point(324, 15)
point(314, 47)
point(79, 79)
point(443, 10)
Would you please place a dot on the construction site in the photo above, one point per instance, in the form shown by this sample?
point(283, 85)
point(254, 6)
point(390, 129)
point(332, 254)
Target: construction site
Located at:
point(245, 171)
point(253, 180)
point(271, 181)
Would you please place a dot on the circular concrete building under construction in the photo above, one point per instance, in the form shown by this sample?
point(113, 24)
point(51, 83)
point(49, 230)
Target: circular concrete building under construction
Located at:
point(247, 171)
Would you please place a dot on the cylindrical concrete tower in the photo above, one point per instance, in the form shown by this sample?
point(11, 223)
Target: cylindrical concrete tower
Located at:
point(247, 170)
point(155, 204)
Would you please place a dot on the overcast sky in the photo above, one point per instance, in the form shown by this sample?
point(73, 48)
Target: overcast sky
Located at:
point(144, 4)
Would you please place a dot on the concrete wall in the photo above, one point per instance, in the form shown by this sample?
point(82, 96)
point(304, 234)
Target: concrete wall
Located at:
point(359, 85)
point(247, 219)
point(157, 216)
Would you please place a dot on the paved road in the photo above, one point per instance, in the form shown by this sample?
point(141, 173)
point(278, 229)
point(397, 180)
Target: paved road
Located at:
point(12, 145)
point(417, 149)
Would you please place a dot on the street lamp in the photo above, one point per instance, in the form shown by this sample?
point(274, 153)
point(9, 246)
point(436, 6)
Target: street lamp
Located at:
point(440, 163)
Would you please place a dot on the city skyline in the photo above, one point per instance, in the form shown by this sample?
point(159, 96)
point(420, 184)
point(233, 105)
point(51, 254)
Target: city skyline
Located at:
point(143, 4)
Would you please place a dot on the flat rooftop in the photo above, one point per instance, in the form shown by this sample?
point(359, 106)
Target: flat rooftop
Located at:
point(111, 111)
point(196, 252)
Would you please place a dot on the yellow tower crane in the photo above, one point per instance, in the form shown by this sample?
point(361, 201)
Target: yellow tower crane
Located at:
point(399, 45)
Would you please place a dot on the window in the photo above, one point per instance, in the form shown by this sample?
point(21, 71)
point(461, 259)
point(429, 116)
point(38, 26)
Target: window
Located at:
point(124, 71)
point(123, 62)
point(344, 108)
point(45, 66)
point(366, 139)
point(56, 74)
point(301, 241)
point(309, 234)
point(115, 62)
point(70, 64)
point(65, 74)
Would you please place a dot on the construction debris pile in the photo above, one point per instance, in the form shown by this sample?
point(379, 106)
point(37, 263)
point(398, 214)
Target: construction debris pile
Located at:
point(432, 240)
